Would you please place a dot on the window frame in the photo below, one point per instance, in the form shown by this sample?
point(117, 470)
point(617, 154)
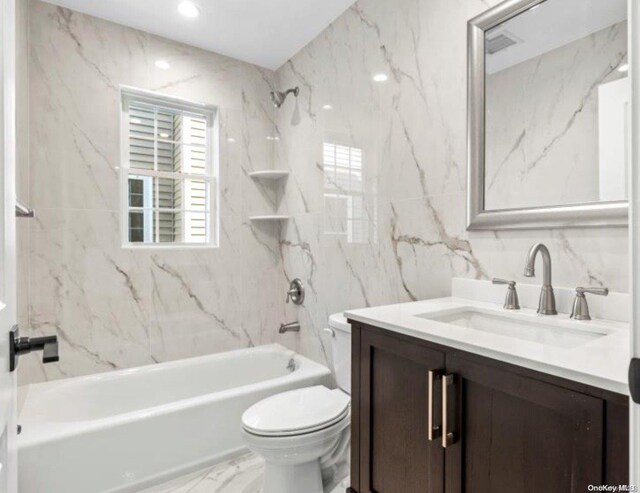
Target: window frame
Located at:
point(147, 210)
point(129, 96)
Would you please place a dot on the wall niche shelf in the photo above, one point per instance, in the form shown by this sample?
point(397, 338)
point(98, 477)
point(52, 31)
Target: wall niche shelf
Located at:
point(269, 175)
point(272, 217)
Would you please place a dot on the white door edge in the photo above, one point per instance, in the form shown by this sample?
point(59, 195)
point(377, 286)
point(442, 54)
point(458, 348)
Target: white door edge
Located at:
point(634, 225)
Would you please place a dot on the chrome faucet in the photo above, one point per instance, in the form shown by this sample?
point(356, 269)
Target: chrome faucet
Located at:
point(292, 327)
point(547, 303)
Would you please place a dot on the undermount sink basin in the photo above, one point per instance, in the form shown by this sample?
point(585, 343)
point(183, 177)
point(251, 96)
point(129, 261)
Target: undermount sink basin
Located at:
point(526, 328)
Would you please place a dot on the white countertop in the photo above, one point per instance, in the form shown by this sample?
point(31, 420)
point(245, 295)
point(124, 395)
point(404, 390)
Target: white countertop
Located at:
point(601, 362)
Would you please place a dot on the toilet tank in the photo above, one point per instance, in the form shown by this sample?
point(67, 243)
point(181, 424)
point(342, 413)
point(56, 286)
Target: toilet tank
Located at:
point(341, 349)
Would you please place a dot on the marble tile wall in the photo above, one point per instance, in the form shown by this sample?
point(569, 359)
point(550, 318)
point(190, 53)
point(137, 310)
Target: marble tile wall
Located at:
point(406, 237)
point(115, 308)
point(411, 130)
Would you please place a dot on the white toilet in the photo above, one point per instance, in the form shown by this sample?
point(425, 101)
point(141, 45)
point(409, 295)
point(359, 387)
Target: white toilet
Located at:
point(304, 433)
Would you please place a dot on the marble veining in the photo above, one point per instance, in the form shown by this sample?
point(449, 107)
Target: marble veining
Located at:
point(542, 123)
point(412, 133)
point(118, 308)
point(239, 475)
point(112, 307)
point(242, 474)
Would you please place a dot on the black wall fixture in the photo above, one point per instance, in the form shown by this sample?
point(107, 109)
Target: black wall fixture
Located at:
point(634, 379)
point(24, 345)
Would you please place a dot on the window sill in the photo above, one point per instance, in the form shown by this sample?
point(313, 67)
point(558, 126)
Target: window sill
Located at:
point(170, 246)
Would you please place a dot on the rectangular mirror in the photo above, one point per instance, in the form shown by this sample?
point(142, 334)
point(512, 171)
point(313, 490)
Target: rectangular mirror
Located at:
point(548, 114)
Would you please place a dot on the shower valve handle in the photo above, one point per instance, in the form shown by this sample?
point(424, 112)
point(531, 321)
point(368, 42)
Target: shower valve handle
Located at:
point(296, 292)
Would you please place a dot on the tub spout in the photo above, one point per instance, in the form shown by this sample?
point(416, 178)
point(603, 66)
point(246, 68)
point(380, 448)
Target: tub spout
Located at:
point(292, 327)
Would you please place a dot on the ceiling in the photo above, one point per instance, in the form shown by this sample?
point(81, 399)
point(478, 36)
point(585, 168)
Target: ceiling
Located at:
point(266, 33)
point(553, 24)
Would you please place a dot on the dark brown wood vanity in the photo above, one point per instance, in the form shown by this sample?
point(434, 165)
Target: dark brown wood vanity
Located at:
point(506, 428)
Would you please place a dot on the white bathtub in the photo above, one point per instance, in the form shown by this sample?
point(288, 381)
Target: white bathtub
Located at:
point(128, 429)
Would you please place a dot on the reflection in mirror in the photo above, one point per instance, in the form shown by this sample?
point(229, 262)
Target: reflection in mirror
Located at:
point(350, 212)
point(557, 96)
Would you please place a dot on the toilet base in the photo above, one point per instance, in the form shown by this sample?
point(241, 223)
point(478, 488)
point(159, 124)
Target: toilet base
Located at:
point(296, 463)
point(305, 478)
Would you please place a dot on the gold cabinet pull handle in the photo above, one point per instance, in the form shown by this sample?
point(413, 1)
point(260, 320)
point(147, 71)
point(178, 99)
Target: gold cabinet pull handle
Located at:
point(448, 435)
point(433, 430)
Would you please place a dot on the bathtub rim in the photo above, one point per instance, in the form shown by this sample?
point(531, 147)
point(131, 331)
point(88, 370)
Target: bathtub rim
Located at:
point(176, 363)
point(38, 431)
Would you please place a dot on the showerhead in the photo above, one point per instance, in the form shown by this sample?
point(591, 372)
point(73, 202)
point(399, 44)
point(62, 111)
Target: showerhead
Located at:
point(278, 97)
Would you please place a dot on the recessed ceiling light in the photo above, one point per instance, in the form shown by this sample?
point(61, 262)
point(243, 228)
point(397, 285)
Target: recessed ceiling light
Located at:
point(380, 77)
point(327, 107)
point(188, 9)
point(623, 68)
point(231, 139)
point(163, 64)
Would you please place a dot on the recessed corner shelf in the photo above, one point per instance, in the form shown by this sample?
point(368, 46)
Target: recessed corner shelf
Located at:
point(271, 174)
point(273, 217)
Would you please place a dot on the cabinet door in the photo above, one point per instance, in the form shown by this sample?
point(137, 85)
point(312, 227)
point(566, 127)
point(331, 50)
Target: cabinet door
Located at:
point(396, 454)
point(519, 434)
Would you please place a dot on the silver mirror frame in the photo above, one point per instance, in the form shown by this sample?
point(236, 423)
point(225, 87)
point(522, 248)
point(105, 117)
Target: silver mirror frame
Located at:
point(564, 216)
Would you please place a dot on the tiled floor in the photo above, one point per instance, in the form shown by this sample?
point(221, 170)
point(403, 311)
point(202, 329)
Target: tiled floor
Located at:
point(240, 475)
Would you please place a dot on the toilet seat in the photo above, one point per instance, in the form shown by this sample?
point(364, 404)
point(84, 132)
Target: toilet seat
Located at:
point(296, 412)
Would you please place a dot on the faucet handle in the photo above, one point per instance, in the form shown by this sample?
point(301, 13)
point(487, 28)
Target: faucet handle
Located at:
point(598, 291)
point(511, 300)
point(296, 292)
point(497, 280)
point(580, 310)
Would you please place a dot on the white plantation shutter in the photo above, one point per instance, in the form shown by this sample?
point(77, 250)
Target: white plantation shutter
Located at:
point(344, 192)
point(171, 149)
point(196, 190)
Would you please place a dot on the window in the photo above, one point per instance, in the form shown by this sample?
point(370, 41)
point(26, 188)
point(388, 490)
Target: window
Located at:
point(168, 181)
point(344, 194)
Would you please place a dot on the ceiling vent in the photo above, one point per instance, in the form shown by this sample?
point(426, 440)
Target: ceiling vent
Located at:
point(500, 42)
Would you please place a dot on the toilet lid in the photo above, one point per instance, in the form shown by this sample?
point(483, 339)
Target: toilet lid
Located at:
point(296, 412)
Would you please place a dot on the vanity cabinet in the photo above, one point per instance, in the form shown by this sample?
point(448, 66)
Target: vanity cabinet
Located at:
point(505, 428)
point(396, 455)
